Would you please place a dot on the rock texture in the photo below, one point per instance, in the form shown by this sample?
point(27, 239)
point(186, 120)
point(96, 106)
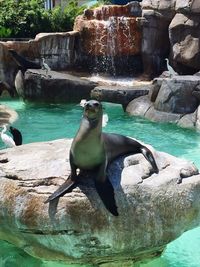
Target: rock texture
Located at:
point(53, 87)
point(110, 37)
point(170, 26)
point(174, 99)
point(153, 208)
point(129, 39)
point(58, 49)
point(109, 31)
point(119, 94)
point(7, 115)
point(185, 42)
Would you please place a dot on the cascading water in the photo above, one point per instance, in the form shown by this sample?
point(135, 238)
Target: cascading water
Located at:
point(111, 40)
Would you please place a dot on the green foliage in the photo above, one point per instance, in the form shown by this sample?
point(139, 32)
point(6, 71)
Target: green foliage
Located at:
point(4, 32)
point(63, 20)
point(26, 18)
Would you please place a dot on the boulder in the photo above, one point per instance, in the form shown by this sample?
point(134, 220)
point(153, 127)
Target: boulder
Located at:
point(188, 120)
point(139, 106)
point(153, 208)
point(7, 115)
point(53, 87)
point(58, 49)
point(172, 99)
point(185, 42)
point(155, 42)
point(7, 67)
point(176, 94)
point(160, 5)
point(119, 94)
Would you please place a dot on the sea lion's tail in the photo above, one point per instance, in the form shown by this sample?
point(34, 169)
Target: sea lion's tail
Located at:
point(64, 188)
point(149, 156)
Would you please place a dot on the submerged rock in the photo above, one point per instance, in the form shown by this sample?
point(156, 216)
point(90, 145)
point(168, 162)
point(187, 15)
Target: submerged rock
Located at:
point(153, 208)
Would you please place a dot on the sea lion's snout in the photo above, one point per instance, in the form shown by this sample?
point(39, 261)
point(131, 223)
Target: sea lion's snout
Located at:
point(92, 104)
point(93, 109)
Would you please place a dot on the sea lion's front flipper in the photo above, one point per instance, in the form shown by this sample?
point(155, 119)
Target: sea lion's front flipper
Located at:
point(106, 193)
point(64, 188)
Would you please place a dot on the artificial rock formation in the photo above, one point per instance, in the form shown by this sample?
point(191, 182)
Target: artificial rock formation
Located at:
point(119, 94)
point(7, 115)
point(153, 208)
point(53, 87)
point(57, 49)
point(110, 37)
point(185, 42)
point(131, 39)
point(170, 26)
point(173, 99)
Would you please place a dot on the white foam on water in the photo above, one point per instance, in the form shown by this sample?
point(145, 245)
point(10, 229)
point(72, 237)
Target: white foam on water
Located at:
point(122, 81)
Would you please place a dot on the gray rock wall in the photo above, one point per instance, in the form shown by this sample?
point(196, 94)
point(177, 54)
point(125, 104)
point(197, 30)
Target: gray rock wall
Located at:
point(171, 29)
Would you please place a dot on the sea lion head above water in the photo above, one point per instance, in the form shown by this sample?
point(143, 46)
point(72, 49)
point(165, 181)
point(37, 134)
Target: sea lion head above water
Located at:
point(93, 110)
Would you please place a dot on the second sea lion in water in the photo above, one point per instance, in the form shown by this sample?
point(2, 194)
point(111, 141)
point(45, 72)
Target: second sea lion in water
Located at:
point(93, 150)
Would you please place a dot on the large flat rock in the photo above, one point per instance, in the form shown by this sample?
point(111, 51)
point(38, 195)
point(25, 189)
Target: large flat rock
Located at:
point(153, 208)
point(55, 87)
point(119, 94)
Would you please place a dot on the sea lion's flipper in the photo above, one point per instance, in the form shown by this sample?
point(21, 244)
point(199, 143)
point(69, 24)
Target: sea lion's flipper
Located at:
point(23, 62)
point(106, 193)
point(149, 156)
point(63, 189)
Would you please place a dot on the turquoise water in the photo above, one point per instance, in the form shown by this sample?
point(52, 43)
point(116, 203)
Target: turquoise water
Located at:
point(42, 123)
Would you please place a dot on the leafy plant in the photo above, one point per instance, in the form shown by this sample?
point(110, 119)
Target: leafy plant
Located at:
point(26, 18)
point(4, 32)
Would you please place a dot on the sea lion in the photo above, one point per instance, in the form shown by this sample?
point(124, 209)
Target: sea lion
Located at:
point(93, 150)
point(24, 63)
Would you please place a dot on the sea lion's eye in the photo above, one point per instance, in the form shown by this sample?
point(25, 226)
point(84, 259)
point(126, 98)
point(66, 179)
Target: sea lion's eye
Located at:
point(96, 104)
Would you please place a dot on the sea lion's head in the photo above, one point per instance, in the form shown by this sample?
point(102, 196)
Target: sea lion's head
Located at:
point(93, 110)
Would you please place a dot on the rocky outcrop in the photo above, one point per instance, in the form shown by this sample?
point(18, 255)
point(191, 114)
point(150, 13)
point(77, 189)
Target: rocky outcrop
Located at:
point(7, 115)
point(52, 87)
point(185, 42)
point(174, 99)
point(153, 208)
point(119, 94)
point(129, 39)
point(155, 43)
point(58, 49)
point(170, 26)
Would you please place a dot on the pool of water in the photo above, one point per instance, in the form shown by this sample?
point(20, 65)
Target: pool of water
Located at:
point(48, 122)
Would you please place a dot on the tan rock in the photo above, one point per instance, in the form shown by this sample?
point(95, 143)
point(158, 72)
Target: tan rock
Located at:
point(77, 228)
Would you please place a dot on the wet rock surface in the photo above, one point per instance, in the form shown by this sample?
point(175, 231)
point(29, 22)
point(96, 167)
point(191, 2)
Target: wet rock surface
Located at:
point(153, 208)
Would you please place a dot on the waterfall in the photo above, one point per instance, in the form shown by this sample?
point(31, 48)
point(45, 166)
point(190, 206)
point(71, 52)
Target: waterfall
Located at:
point(111, 40)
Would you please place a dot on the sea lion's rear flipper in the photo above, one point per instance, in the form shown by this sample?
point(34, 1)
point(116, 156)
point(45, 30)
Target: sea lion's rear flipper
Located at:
point(149, 156)
point(106, 193)
point(64, 188)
